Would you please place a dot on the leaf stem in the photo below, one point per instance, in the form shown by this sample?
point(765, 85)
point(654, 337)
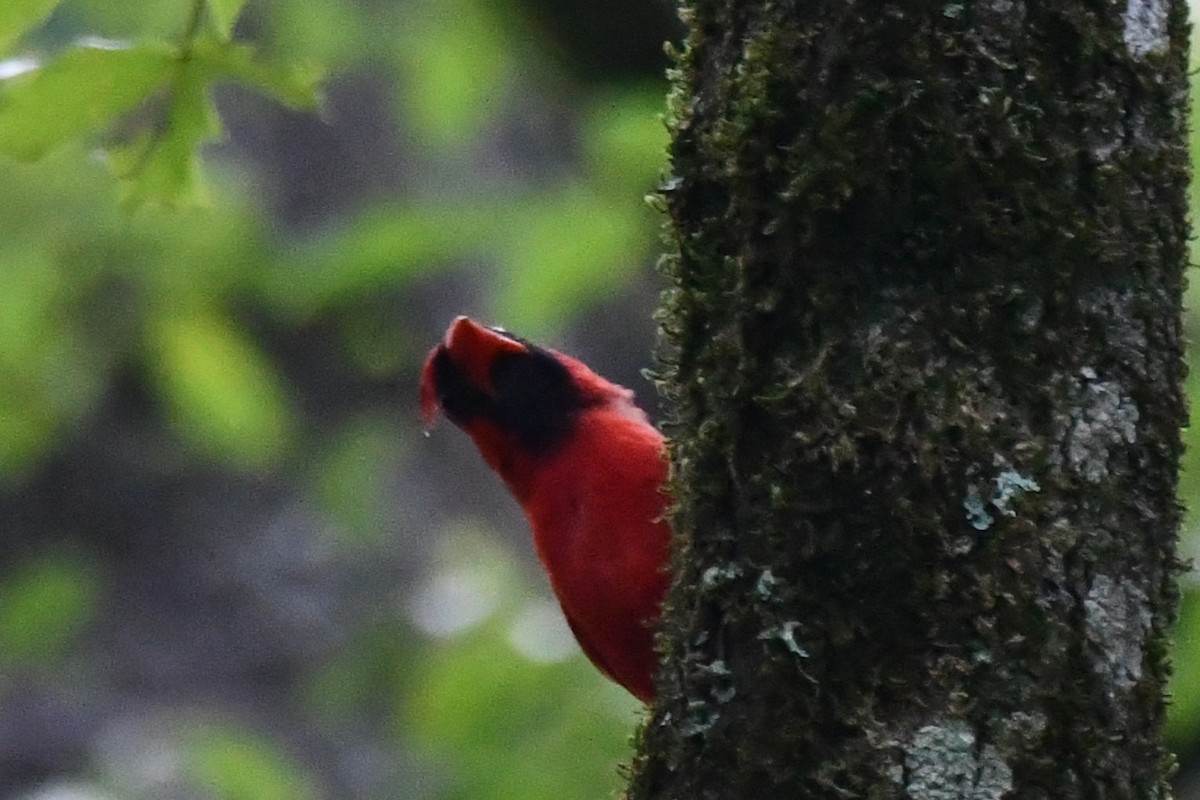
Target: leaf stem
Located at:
point(192, 29)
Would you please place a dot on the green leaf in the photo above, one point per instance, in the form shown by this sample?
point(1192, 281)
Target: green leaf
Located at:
point(79, 92)
point(49, 369)
point(19, 16)
point(624, 140)
point(234, 764)
point(294, 85)
point(338, 33)
point(43, 604)
point(563, 251)
point(147, 20)
point(224, 14)
point(162, 164)
point(379, 250)
point(458, 58)
point(221, 390)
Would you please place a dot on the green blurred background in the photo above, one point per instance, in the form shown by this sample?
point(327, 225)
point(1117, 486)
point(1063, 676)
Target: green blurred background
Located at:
point(231, 566)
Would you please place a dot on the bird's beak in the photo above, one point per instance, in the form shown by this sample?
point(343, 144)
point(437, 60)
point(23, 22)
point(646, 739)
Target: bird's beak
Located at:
point(473, 348)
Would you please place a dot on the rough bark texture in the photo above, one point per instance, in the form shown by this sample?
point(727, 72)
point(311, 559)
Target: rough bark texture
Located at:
point(926, 360)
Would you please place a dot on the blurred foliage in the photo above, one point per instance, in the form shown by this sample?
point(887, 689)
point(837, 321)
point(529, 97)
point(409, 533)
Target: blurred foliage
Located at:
point(139, 246)
point(18, 16)
point(458, 59)
point(87, 288)
point(84, 88)
point(222, 393)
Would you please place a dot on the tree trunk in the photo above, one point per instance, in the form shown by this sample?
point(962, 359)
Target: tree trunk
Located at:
point(925, 356)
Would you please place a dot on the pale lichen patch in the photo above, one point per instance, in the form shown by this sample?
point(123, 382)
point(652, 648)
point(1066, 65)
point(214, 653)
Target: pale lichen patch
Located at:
point(765, 588)
point(1007, 487)
point(1145, 30)
point(698, 719)
point(944, 762)
point(1105, 419)
point(1117, 616)
point(1010, 485)
point(786, 633)
point(976, 508)
point(715, 576)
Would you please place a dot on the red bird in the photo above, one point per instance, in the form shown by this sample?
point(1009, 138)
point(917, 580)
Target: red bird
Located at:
point(587, 468)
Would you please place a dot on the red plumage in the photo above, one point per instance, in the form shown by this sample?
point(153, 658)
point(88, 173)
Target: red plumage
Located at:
point(587, 468)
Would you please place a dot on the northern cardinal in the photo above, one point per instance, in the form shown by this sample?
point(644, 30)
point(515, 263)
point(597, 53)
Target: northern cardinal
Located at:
point(587, 468)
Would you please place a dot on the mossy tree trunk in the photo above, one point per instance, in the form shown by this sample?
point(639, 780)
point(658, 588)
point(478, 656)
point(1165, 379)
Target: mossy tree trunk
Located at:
point(926, 360)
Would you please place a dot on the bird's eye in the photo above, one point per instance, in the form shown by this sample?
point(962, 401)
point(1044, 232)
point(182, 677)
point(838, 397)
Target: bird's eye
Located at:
point(507, 334)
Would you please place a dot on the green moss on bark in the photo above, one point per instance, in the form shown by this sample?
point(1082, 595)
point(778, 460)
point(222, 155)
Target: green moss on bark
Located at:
point(929, 256)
